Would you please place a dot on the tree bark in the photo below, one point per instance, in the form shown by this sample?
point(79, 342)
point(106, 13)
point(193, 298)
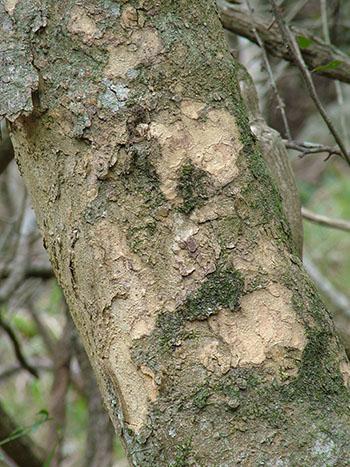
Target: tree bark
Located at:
point(168, 237)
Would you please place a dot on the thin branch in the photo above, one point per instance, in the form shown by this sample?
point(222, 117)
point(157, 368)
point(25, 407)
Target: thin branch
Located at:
point(299, 61)
point(17, 348)
point(326, 221)
point(340, 301)
point(21, 257)
point(318, 53)
point(15, 369)
point(45, 332)
point(305, 148)
point(281, 105)
point(39, 271)
point(338, 89)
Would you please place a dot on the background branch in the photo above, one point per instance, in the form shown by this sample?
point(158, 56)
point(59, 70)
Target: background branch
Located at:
point(299, 61)
point(22, 450)
point(317, 54)
point(17, 348)
point(324, 220)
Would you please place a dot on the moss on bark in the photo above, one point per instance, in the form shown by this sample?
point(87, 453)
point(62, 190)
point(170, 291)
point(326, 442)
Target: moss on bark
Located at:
point(183, 256)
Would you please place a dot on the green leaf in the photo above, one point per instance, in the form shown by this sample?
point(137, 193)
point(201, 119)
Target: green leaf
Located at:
point(25, 326)
point(304, 42)
point(50, 456)
point(328, 66)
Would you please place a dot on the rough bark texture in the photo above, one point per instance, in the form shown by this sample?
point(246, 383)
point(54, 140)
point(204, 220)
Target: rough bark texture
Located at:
point(276, 156)
point(168, 237)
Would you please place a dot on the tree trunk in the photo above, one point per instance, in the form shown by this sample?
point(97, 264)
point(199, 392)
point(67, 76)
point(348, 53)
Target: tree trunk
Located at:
point(168, 236)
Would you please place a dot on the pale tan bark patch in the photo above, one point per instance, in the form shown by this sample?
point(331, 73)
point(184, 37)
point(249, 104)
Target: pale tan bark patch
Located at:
point(214, 357)
point(128, 303)
point(192, 109)
point(142, 48)
point(265, 257)
point(81, 23)
point(10, 6)
point(129, 17)
point(264, 329)
point(212, 145)
point(345, 371)
point(136, 388)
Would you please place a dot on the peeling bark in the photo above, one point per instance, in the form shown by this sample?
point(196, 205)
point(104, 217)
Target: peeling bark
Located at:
point(169, 239)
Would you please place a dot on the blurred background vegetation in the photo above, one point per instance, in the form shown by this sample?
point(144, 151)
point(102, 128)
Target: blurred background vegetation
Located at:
point(42, 364)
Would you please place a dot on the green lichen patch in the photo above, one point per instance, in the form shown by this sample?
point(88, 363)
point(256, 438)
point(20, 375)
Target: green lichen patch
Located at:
point(135, 199)
point(193, 186)
point(222, 289)
point(228, 229)
point(138, 174)
point(183, 453)
point(319, 378)
point(201, 397)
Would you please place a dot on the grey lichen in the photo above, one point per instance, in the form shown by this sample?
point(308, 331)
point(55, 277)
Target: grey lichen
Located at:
point(18, 79)
point(114, 97)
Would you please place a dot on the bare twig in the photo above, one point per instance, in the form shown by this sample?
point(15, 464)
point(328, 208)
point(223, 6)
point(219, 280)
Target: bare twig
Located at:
point(338, 89)
point(21, 257)
point(326, 221)
point(15, 369)
point(305, 148)
point(318, 53)
point(58, 394)
point(47, 337)
point(281, 104)
point(40, 271)
point(17, 348)
point(299, 61)
point(340, 301)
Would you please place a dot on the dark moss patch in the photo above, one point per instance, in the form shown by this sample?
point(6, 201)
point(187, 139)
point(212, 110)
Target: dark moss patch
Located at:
point(183, 453)
point(193, 186)
point(169, 326)
point(319, 376)
point(223, 289)
point(138, 174)
point(260, 193)
point(201, 397)
point(229, 230)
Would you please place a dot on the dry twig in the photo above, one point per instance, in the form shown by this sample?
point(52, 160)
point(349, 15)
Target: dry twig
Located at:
point(317, 54)
point(326, 221)
point(281, 105)
point(299, 61)
point(305, 148)
point(17, 348)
